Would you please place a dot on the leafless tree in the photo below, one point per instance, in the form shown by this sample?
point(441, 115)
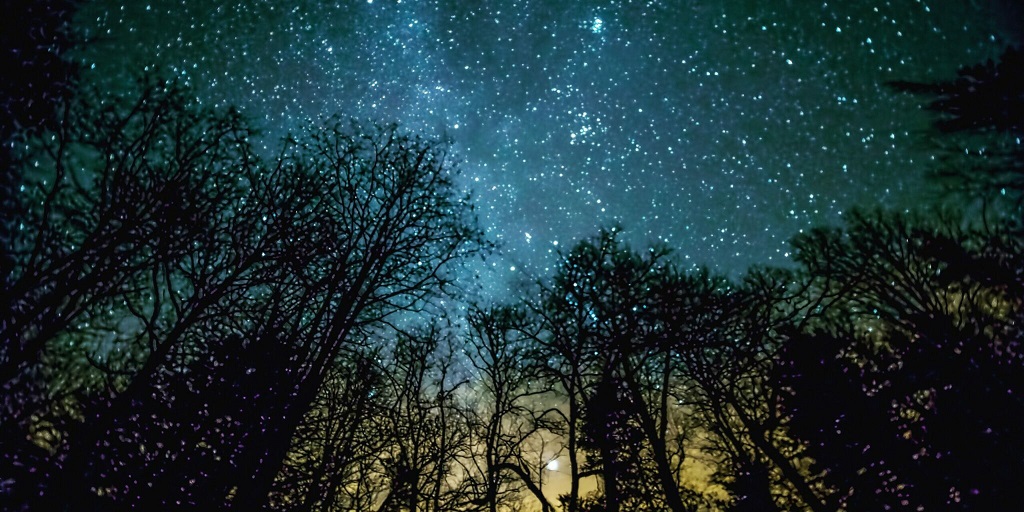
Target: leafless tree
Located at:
point(506, 390)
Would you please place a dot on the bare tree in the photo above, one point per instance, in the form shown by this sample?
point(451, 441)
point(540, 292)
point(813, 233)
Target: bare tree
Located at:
point(426, 438)
point(337, 445)
point(730, 339)
point(506, 390)
point(395, 225)
point(606, 341)
point(117, 199)
point(233, 286)
point(117, 192)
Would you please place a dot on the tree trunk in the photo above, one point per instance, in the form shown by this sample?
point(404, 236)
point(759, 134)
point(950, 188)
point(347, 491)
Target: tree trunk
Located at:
point(655, 437)
point(757, 436)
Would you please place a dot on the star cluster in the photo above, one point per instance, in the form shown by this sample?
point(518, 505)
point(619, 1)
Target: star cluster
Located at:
point(721, 128)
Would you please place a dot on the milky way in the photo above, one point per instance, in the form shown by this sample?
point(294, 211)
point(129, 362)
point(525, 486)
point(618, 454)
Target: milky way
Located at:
point(721, 128)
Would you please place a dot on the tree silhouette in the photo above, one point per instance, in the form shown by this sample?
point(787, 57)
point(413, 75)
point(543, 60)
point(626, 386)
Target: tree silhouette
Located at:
point(984, 97)
point(733, 332)
point(607, 317)
point(905, 391)
point(393, 225)
point(506, 416)
point(425, 437)
point(231, 287)
point(116, 201)
point(37, 74)
point(980, 121)
point(116, 192)
point(334, 449)
point(615, 445)
point(35, 79)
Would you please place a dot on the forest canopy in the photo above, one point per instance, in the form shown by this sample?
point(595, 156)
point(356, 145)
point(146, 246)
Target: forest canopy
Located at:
point(191, 322)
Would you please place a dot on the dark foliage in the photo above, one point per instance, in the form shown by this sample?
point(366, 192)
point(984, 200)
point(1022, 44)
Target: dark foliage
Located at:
point(980, 123)
point(983, 97)
point(35, 78)
point(36, 74)
point(906, 391)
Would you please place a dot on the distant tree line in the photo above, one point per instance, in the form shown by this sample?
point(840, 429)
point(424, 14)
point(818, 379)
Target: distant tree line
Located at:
point(188, 323)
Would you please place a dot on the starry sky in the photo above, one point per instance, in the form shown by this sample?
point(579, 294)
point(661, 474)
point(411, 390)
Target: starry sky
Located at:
point(721, 127)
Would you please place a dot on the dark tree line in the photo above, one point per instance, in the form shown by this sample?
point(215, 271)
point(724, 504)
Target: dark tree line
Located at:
point(918, 352)
point(177, 302)
point(189, 323)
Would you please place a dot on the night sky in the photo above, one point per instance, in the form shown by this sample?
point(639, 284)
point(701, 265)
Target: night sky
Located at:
point(720, 127)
